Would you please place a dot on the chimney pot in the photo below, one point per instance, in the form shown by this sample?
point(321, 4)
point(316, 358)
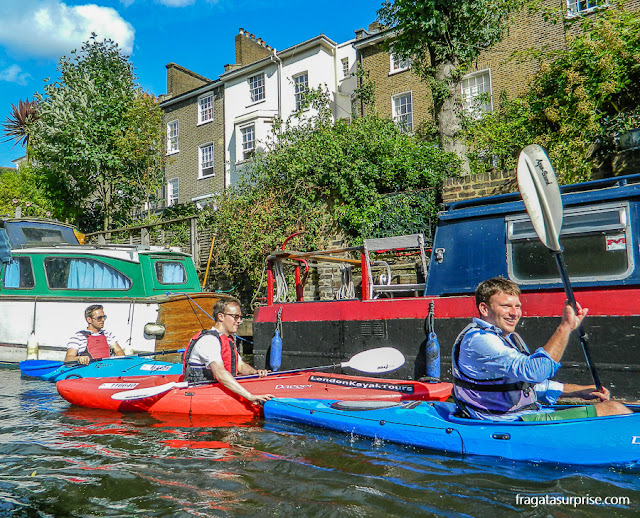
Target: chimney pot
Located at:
point(240, 30)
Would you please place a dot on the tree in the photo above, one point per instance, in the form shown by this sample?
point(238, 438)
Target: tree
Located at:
point(580, 101)
point(441, 38)
point(19, 188)
point(324, 178)
point(17, 125)
point(97, 139)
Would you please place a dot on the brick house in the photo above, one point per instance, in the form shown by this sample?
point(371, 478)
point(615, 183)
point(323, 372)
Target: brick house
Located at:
point(401, 95)
point(257, 93)
point(194, 118)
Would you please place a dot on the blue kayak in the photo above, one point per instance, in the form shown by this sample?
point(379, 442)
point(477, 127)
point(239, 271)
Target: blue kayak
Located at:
point(593, 441)
point(108, 367)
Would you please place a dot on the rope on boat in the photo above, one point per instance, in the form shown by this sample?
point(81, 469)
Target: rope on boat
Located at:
point(347, 289)
point(281, 282)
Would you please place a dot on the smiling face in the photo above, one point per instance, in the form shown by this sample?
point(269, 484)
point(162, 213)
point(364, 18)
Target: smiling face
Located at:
point(229, 320)
point(503, 311)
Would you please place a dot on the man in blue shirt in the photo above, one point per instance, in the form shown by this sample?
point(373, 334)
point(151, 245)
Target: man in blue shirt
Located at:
point(496, 378)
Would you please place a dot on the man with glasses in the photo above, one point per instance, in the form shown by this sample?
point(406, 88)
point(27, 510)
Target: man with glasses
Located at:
point(212, 354)
point(94, 342)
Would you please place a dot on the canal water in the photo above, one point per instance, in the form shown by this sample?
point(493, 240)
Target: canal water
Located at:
point(63, 461)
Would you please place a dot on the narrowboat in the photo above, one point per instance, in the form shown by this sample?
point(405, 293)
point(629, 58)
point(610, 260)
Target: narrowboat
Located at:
point(474, 240)
point(151, 295)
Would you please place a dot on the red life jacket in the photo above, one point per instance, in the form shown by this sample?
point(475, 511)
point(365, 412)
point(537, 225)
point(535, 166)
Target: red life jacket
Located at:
point(194, 372)
point(97, 345)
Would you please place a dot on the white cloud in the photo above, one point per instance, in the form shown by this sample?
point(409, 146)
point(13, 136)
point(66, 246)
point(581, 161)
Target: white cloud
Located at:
point(50, 28)
point(14, 74)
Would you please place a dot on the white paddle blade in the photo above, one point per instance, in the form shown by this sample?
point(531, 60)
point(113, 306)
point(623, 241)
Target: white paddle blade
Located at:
point(541, 195)
point(382, 359)
point(129, 395)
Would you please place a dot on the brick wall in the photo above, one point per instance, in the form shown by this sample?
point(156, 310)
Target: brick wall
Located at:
point(184, 164)
point(250, 49)
point(376, 61)
point(181, 80)
point(478, 185)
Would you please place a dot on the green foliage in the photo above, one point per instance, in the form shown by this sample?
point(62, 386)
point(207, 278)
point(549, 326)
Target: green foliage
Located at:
point(98, 137)
point(581, 100)
point(20, 188)
point(438, 31)
point(441, 39)
point(365, 92)
point(323, 178)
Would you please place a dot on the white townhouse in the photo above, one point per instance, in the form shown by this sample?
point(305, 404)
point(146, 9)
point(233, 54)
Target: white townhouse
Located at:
point(273, 86)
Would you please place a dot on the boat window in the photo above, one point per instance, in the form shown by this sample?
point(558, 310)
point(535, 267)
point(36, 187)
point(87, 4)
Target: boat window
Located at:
point(594, 240)
point(83, 274)
point(19, 274)
point(170, 272)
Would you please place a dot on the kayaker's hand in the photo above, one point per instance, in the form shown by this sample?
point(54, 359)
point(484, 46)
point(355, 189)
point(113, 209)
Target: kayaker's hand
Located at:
point(83, 360)
point(590, 392)
point(262, 372)
point(259, 399)
point(571, 318)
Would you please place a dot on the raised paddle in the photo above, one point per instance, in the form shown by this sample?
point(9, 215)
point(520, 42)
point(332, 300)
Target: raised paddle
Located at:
point(541, 195)
point(382, 359)
point(37, 368)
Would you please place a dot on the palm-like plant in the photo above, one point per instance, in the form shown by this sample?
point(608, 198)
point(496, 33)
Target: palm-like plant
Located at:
point(16, 126)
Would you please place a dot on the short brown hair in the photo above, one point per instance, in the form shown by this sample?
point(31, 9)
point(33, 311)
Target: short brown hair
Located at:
point(88, 313)
point(486, 289)
point(221, 305)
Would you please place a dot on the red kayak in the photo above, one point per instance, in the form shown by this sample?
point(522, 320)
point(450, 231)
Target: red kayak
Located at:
point(169, 394)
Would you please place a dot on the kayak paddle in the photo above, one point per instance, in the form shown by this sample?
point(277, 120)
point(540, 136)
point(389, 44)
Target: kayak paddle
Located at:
point(38, 368)
point(381, 359)
point(541, 195)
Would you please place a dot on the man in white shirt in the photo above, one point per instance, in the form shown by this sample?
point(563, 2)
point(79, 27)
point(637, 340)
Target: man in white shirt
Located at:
point(94, 342)
point(212, 355)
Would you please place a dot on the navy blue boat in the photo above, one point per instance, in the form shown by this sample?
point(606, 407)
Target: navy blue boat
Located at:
point(475, 240)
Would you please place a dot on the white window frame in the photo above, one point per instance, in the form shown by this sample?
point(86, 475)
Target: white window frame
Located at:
point(257, 88)
point(396, 64)
point(345, 67)
point(173, 191)
point(580, 7)
point(403, 120)
point(206, 162)
point(173, 136)
point(298, 93)
point(469, 92)
point(206, 200)
point(205, 108)
point(248, 147)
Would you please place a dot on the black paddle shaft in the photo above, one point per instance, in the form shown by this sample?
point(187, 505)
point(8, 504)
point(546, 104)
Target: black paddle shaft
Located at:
point(582, 334)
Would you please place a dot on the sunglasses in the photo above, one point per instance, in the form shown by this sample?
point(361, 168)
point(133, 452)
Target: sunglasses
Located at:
point(235, 316)
point(100, 318)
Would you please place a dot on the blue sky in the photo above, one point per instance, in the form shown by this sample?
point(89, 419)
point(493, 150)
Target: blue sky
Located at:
point(197, 34)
